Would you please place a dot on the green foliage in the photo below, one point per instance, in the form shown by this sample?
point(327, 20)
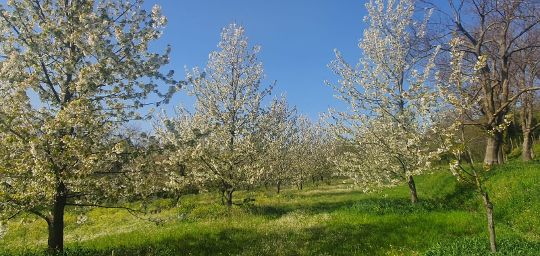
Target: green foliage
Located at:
point(515, 154)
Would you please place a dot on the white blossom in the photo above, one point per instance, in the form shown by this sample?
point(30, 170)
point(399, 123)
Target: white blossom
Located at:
point(89, 70)
point(391, 103)
point(228, 111)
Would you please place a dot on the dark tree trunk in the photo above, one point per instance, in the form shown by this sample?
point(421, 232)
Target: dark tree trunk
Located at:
point(278, 186)
point(493, 154)
point(511, 144)
point(412, 188)
point(55, 222)
point(229, 197)
point(490, 223)
point(175, 200)
point(222, 197)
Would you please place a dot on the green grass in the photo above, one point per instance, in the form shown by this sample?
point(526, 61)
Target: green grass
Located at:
point(325, 220)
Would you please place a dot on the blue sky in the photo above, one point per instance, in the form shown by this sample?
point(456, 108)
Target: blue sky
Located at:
point(297, 39)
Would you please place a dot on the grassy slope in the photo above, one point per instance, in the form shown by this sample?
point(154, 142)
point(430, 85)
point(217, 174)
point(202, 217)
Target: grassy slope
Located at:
point(329, 220)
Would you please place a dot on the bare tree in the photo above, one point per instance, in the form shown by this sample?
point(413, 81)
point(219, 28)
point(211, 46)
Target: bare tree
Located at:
point(492, 31)
point(526, 75)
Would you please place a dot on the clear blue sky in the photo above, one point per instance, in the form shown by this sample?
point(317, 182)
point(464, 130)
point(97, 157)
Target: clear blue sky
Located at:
point(297, 39)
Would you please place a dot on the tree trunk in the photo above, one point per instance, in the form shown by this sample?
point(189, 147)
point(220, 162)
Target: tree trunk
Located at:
point(55, 222)
point(175, 200)
point(502, 154)
point(229, 197)
point(527, 111)
point(301, 185)
point(491, 224)
point(493, 154)
point(511, 144)
point(222, 197)
point(278, 186)
point(526, 150)
point(412, 188)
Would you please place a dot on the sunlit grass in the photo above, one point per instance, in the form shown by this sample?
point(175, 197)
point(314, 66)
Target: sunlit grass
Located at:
point(324, 220)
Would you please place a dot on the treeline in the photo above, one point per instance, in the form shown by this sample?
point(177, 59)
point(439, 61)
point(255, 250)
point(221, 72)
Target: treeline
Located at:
point(435, 84)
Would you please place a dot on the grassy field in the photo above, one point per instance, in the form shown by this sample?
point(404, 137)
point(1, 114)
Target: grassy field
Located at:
point(323, 220)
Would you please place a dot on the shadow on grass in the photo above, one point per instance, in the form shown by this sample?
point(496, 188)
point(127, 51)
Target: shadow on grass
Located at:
point(458, 197)
point(458, 200)
point(398, 234)
point(393, 226)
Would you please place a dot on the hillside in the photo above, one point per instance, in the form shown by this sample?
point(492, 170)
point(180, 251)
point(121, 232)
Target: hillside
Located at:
point(319, 220)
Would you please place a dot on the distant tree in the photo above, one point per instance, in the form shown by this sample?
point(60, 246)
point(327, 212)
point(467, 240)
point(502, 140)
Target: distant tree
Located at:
point(312, 152)
point(278, 133)
point(391, 104)
point(179, 138)
point(302, 152)
point(72, 73)
point(228, 97)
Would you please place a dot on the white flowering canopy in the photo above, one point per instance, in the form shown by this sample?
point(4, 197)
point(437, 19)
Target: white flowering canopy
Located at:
point(391, 102)
point(278, 137)
point(229, 94)
point(72, 73)
point(314, 150)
